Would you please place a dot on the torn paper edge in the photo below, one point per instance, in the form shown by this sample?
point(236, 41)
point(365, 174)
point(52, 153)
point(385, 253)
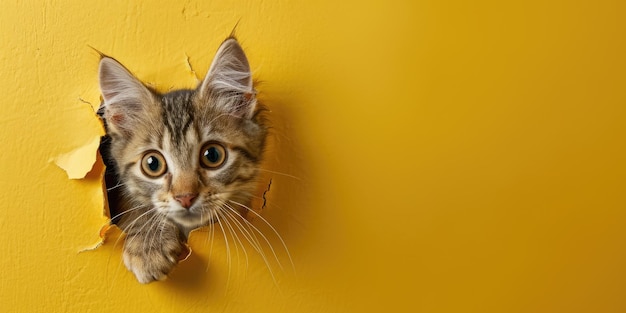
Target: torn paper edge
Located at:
point(78, 162)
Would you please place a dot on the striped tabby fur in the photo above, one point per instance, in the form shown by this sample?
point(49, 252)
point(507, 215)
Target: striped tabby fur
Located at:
point(209, 141)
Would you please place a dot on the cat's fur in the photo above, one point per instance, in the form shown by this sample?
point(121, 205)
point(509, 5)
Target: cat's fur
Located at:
point(157, 213)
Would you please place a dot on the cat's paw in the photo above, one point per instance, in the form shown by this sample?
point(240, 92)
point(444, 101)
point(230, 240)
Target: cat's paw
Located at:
point(151, 261)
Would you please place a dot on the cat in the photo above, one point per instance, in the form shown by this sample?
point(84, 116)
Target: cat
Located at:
point(179, 160)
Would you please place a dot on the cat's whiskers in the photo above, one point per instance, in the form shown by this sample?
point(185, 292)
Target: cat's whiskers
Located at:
point(119, 184)
point(157, 221)
point(236, 239)
point(280, 173)
point(250, 237)
point(140, 206)
point(228, 214)
point(275, 232)
point(148, 234)
point(223, 212)
point(228, 258)
point(252, 229)
point(211, 239)
point(149, 229)
point(128, 211)
point(132, 223)
point(162, 228)
point(257, 246)
point(131, 231)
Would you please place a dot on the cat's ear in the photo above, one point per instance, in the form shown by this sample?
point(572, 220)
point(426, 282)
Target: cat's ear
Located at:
point(125, 97)
point(228, 84)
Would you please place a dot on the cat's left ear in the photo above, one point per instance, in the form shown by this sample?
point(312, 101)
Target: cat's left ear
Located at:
point(126, 99)
point(229, 81)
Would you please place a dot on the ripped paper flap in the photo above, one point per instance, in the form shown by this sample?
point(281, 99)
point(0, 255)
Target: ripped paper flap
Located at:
point(78, 162)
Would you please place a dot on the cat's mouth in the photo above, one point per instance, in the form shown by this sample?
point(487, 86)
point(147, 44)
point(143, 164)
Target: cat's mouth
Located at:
point(192, 217)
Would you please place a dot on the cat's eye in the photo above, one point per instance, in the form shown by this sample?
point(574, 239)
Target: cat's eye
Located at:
point(153, 164)
point(212, 155)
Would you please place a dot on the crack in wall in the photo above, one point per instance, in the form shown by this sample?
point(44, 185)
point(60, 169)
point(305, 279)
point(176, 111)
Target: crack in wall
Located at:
point(264, 193)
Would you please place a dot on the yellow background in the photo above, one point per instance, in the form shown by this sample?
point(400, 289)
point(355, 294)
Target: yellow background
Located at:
point(450, 156)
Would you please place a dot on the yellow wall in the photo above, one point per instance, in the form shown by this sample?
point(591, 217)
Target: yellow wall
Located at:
point(451, 156)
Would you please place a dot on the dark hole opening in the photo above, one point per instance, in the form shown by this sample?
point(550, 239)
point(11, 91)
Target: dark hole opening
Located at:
point(111, 180)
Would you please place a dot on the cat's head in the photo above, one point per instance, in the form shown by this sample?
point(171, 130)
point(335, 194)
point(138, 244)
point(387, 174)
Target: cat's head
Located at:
point(191, 155)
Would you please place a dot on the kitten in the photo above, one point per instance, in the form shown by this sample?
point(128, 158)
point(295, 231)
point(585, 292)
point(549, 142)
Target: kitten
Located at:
point(179, 160)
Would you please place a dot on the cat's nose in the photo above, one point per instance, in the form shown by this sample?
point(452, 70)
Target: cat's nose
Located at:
point(187, 199)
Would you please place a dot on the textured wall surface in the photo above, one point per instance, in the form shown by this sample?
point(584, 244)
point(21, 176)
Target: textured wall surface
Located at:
point(436, 156)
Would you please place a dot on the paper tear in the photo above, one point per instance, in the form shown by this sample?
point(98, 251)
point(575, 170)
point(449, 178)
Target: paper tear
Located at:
point(85, 101)
point(185, 253)
point(93, 247)
point(105, 231)
point(265, 193)
point(190, 68)
point(78, 162)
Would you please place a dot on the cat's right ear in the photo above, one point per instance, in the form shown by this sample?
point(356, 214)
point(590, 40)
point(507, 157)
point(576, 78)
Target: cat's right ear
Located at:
point(230, 80)
point(125, 97)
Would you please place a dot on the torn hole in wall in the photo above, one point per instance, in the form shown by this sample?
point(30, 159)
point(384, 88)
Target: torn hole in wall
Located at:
point(76, 163)
point(80, 161)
